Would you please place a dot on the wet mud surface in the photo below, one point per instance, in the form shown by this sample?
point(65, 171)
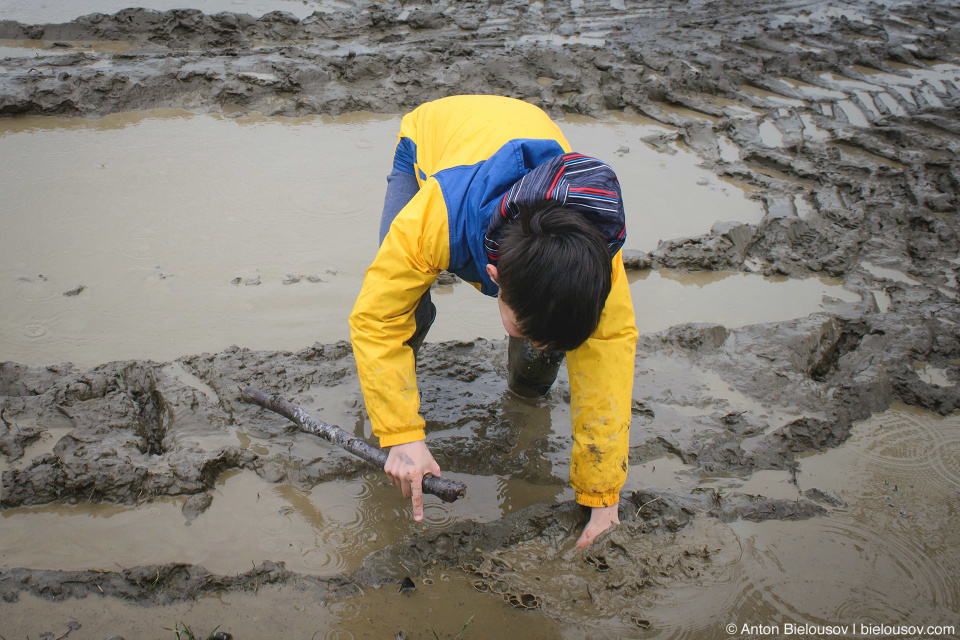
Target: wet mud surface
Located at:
point(841, 119)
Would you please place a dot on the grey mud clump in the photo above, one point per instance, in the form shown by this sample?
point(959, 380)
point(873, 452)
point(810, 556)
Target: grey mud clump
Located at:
point(848, 179)
point(148, 584)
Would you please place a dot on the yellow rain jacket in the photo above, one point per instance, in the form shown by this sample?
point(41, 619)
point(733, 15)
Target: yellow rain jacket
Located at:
point(467, 152)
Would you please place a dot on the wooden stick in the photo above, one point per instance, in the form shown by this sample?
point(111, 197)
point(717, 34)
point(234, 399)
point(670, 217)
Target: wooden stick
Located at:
point(444, 488)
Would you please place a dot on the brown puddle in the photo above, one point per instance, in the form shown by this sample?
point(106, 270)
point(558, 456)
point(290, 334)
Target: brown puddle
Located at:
point(662, 299)
point(448, 605)
point(812, 90)
point(732, 107)
point(885, 557)
point(10, 48)
point(322, 531)
point(158, 213)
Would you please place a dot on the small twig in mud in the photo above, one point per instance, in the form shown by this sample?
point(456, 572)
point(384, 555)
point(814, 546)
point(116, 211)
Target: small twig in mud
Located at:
point(72, 625)
point(646, 503)
point(177, 630)
point(446, 489)
point(716, 497)
point(464, 627)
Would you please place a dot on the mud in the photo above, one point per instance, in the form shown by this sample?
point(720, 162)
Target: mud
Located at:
point(666, 568)
point(839, 121)
point(767, 392)
point(656, 61)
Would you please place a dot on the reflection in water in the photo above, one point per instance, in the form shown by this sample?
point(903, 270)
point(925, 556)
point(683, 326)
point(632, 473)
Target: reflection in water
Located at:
point(932, 374)
point(885, 556)
point(533, 423)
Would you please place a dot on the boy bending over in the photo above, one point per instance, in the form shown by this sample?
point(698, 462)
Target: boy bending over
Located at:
point(487, 188)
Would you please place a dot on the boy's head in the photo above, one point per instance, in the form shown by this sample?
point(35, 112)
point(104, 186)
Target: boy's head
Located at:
point(554, 273)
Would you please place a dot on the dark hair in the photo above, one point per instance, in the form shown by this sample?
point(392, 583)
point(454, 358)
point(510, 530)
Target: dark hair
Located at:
point(554, 273)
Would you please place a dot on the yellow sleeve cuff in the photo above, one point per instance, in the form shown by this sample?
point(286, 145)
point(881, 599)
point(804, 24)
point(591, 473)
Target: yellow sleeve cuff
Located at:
point(598, 499)
point(402, 438)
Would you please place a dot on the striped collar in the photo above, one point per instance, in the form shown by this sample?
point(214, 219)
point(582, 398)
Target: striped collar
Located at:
point(574, 181)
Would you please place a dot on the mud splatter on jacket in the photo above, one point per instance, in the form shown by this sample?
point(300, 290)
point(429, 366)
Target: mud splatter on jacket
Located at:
point(469, 154)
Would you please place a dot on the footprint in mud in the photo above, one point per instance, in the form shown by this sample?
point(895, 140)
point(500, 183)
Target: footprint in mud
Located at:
point(294, 279)
point(290, 278)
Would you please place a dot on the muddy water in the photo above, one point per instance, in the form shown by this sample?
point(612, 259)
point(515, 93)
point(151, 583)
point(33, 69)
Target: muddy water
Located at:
point(324, 531)
point(663, 298)
point(446, 606)
point(33, 48)
point(885, 554)
point(886, 557)
point(191, 233)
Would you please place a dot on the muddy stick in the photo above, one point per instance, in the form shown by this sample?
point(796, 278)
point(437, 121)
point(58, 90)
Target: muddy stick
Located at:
point(444, 488)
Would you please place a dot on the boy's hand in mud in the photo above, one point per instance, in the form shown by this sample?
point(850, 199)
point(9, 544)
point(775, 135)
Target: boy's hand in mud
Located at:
point(406, 466)
point(601, 519)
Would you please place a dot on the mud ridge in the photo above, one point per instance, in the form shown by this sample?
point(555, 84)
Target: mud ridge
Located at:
point(129, 431)
point(148, 584)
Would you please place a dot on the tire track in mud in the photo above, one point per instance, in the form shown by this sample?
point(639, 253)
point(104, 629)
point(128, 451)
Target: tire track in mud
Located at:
point(801, 73)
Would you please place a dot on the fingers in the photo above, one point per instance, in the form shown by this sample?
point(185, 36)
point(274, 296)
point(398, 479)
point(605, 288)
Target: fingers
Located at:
point(393, 476)
point(587, 537)
point(601, 519)
point(416, 490)
point(406, 466)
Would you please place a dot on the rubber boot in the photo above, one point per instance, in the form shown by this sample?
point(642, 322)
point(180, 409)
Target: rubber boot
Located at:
point(531, 371)
point(424, 316)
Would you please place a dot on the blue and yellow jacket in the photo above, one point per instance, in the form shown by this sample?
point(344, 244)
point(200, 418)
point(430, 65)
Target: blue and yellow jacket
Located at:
point(467, 153)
